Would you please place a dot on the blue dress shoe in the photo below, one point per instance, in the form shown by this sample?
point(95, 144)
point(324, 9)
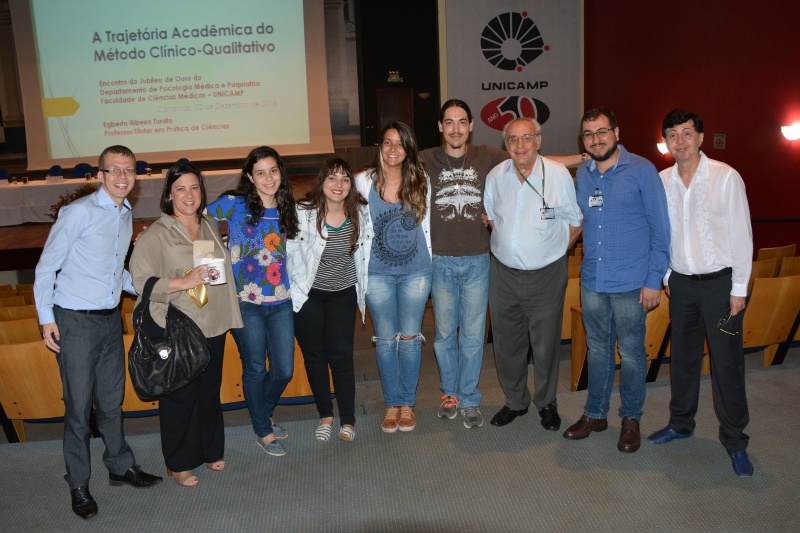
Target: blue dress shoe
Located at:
point(741, 464)
point(663, 436)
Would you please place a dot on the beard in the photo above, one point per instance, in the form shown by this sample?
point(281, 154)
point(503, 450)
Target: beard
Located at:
point(612, 147)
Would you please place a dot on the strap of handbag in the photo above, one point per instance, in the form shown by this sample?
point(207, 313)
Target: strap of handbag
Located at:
point(148, 290)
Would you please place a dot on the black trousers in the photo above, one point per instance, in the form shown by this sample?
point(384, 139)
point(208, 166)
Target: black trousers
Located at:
point(192, 428)
point(324, 330)
point(696, 308)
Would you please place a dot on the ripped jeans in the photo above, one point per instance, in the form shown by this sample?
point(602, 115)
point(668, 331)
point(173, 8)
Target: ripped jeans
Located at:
point(396, 303)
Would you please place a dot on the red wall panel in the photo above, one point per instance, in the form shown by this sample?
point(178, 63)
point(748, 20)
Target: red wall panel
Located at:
point(735, 63)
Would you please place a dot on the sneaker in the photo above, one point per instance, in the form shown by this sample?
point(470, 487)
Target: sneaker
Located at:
point(472, 417)
point(278, 430)
point(273, 448)
point(407, 419)
point(391, 419)
point(449, 407)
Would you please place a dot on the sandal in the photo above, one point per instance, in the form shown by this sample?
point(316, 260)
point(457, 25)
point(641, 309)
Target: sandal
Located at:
point(347, 433)
point(184, 479)
point(217, 466)
point(323, 432)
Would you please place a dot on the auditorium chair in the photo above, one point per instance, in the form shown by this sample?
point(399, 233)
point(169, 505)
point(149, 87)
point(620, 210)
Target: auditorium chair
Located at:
point(30, 386)
point(779, 252)
point(22, 330)
point(80, 170)
point(790, 266)
point(764, 268)
point(12, 301)
point(770, 316)
point(18, 312)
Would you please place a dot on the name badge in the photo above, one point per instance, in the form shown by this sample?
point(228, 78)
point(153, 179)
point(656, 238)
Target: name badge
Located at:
point(548, 213)
point(596, 201)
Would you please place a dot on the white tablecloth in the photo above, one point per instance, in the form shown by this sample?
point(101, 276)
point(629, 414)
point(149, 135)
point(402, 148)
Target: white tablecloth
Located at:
point(30, 202)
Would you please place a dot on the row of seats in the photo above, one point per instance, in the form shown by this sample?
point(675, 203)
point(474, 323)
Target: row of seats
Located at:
point(81, 169)
point(770, 323)
point(30, 383)
point(22, 294)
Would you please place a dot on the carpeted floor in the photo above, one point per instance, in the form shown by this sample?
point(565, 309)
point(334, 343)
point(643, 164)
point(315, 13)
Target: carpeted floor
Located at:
point(441, 477)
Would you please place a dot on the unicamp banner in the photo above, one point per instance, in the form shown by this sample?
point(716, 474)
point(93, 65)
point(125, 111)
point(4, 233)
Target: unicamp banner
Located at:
point(511, 59)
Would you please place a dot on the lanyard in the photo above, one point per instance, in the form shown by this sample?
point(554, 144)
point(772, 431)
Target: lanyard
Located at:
point(541, 195)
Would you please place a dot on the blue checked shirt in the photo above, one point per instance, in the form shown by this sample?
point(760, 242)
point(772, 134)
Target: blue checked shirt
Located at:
point(626, 241)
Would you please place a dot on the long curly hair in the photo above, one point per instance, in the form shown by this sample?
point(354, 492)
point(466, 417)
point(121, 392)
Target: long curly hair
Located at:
point(283, 197)
point(315, 198)
point(413, 192)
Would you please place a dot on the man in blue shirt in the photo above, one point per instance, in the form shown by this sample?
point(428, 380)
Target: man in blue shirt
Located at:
point(79, 279)
point(626, 254)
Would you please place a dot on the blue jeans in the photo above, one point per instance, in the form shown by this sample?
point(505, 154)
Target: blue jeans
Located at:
point(268, 333)
point(460, 294)
point(396, 303)
point(609, 317)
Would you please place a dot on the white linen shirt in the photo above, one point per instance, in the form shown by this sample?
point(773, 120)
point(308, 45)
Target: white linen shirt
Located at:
point(709, 223)
point(520, 238)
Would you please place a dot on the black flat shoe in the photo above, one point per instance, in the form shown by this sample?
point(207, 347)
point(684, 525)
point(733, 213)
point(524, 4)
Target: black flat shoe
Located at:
point(550, 419)
point(506, 416)
point(134, 477)
point(83, 504)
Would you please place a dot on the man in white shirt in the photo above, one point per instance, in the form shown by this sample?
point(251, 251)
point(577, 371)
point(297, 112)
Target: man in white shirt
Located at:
point(530, 204)
point(710, 261)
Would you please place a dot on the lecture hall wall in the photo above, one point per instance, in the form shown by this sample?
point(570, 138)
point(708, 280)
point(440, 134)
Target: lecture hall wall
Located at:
point(732, 62)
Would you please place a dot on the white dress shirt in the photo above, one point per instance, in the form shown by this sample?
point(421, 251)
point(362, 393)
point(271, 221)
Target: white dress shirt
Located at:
point(520, 238)
point(709, 222)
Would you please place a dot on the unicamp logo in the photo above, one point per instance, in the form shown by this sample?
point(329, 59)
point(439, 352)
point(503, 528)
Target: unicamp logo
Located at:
point(511, 41)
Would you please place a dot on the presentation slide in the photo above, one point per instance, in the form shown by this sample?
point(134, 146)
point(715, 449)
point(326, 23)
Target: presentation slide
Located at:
point(199, 79)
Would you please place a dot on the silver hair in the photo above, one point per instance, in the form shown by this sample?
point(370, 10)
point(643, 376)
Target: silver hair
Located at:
point(537, 128)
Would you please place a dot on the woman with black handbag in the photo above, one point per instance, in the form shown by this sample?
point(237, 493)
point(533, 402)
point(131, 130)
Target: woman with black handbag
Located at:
point(192, 427)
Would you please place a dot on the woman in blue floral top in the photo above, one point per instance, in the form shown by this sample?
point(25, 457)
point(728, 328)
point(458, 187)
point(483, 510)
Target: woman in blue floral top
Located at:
point(261, 216)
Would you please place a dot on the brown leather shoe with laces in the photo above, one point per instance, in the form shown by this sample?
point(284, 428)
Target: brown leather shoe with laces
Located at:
point(584, 427)
point(629, 440)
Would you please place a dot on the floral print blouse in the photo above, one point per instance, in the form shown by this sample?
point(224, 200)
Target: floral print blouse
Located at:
point(258, 253)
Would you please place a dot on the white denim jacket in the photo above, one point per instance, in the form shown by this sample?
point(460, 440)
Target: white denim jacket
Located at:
point(303, 254)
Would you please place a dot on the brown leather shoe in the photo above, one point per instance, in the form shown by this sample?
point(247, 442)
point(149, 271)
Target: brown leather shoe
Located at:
point(629, 440)
point(584, 426)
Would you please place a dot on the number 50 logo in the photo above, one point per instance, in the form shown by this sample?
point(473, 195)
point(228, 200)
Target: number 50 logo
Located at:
point(497, 113)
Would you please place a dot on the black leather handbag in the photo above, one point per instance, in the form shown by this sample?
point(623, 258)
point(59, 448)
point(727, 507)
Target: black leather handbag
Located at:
point(162, 360)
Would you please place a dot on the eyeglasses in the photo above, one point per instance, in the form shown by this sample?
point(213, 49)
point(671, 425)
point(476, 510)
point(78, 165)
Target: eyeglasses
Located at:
point(527, 138)
point(601, 133)
point(115, 171)
point(686, 133)
point(724, 324)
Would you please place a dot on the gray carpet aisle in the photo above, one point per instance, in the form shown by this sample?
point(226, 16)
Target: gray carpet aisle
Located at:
point(441, 477)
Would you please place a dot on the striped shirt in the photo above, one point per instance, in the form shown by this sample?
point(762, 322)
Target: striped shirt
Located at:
point(337, 268)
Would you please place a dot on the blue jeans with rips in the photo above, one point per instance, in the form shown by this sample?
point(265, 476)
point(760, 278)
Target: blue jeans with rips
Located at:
point(608, 317)
point(268, 333)
point(460, 294)
point(396, 303)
